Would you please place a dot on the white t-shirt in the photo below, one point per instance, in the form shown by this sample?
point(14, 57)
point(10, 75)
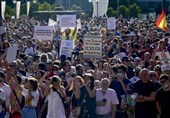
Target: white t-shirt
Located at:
point(29, 51)
point(111, 98)
point(35, 94)
point(7, 91)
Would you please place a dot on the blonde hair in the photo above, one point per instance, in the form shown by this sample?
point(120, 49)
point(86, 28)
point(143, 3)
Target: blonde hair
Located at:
point(79, 78)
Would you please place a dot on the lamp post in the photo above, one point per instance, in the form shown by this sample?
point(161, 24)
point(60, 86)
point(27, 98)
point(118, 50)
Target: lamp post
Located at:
point(0, 15)
point(97, 3)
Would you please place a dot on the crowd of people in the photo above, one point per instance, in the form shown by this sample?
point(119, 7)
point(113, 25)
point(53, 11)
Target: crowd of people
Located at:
point(42, 84)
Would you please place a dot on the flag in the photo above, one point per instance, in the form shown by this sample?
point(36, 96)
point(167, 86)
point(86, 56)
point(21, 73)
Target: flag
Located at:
point(161, 21)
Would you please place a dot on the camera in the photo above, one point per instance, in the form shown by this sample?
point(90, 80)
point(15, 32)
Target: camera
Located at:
point(54, 79)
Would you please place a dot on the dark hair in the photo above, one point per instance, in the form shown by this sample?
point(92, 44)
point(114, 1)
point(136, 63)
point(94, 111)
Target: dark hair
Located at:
point(34, 83)
point(122, 67)
point(114, 69)
point(164, 76)
point(2, 74)
point(41, 66)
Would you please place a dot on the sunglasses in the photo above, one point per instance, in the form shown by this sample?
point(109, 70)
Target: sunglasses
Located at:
point(162, 81)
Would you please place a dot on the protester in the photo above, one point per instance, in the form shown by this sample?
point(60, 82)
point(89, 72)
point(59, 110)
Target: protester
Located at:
point(40, 74)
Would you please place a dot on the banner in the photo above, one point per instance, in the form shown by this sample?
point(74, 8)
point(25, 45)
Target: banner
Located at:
point(28, 7)
point(100, 7)
point(111, 23)
point(18, 6)
point(92, 46)
point(66, 21)
point(164, 57)
point(66, 47)
point(3, 6)
point(43, 32)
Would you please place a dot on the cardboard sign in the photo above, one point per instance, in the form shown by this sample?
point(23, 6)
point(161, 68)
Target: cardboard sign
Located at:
point(92, 46)
point(43, 32)
point(66, 21)
point(111, 23)
point(11, 53)
point(165, 60)
point(66, 47)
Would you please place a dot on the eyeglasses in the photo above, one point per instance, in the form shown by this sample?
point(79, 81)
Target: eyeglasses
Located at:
point(162, 82)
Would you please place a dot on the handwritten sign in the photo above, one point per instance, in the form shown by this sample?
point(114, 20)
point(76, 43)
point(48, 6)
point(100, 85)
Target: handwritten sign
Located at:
point(43, 32)
point(92, 46)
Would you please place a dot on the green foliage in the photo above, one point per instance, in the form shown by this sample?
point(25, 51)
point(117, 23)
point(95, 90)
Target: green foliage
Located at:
point(110, 12)
point(123, 10)
point(9, 11)
point(134, 10)
point(44, 7)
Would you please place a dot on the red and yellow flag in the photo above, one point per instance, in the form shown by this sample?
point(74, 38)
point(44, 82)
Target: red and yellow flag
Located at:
point(161, 21)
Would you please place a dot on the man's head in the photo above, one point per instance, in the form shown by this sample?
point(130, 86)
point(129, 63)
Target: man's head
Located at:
point(144, 75)
point(105, 82)
point(165, 81)
point(79, 69)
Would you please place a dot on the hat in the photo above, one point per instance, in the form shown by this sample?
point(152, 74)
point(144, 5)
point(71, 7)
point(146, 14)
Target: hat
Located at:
point(125, 58)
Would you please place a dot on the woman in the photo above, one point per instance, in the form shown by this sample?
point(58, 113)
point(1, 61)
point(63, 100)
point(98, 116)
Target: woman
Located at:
point(56, 95)
point(31, 95)
point(85, 97)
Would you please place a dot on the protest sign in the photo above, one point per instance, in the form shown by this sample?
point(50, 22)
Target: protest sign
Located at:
point(43, 32)
point(111, 23)
point(164, 57)
point(120, 55)
point(66, 21)
point(66, 47)
point(11, 53)
point(92, 46)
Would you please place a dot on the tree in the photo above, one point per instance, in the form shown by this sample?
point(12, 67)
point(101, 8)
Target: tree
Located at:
point(134, 10)
point(123, 10)
point(44, 7)
point(9, 11)
point(110, 12)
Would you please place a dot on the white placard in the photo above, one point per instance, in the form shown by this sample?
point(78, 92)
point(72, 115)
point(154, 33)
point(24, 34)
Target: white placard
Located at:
point(120, 55)
point(66, 47)
point(111, 23)
point(28, 7)
point(18, 7)
point(43, 32)
point(79, 26)
point(3, 6)
point(164, 57)
point(92, 46)
point(66, 21)
point(11, 53)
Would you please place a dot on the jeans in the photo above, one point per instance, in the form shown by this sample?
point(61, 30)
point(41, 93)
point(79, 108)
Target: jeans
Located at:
point(29, 112)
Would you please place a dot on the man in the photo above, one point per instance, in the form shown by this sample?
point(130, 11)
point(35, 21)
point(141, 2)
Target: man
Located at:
point(119, 84)
point(106, 100)
point(163, 97)
point(6, 90)
point(145, 99)
point(79, 70)
point(129, 72)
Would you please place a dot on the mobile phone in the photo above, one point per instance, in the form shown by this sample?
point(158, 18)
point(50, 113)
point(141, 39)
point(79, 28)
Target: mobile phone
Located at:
point(88, 82)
